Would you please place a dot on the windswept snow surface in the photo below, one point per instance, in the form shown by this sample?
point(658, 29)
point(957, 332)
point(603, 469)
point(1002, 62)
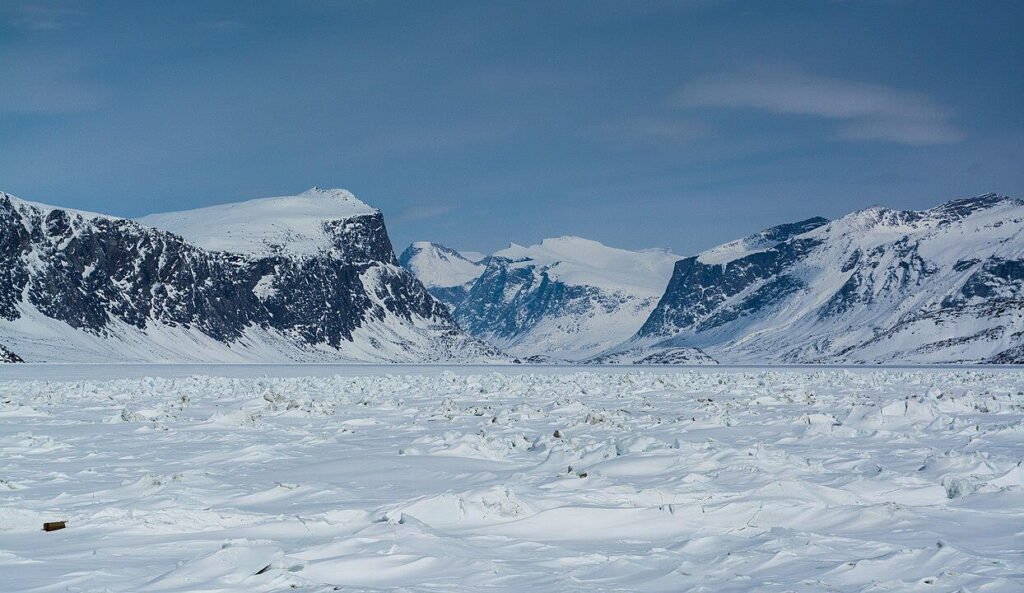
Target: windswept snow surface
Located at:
point(516, 480)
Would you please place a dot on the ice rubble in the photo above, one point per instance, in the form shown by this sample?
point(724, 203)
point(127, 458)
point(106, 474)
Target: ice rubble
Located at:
point(516, 480)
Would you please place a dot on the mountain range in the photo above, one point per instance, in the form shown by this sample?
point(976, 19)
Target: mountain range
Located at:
point(313, 277)
point(944, 285)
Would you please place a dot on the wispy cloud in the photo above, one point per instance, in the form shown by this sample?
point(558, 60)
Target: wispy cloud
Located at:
point(651, 130)
point(862, 111)
point(42, 15)
point(424, 212)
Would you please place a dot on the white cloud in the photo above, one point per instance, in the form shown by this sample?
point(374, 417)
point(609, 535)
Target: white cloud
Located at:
point(863, 111)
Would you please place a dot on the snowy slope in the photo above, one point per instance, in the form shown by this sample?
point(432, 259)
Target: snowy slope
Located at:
point(758, 242)
point(566, 298)
point(877, 285)
point(307, 278)
point(437, 265)
point(447, 274)
point(290, 225)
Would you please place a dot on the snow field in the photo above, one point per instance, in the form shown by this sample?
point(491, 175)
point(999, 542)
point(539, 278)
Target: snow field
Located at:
point(701, 480)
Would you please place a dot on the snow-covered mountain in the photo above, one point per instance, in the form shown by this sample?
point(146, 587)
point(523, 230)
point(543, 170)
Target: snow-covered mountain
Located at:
point(447, 274)
point(297, 278)
point(566, 298)
point(314, 277)
point(877, 285)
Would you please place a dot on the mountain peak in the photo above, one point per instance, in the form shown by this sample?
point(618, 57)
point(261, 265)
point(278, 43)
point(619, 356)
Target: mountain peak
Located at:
point(16, 202)
point(892, 220)
point(553, 249)
point(438, 266)
point(570, 240)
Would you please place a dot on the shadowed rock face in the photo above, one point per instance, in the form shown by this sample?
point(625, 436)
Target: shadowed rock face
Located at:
point(92, 272)
point(697, 291)
point(486, 311)
point(879, 285)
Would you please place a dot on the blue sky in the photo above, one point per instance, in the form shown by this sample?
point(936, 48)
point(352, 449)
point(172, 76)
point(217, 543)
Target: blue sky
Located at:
point(639, 124)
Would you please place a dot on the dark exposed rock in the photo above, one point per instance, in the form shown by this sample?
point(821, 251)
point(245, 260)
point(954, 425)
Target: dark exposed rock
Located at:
point(486, 312)
point(697, 292)
point(8, 356)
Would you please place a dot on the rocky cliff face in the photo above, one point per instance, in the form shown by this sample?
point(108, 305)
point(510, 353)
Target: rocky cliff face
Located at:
point(309, 277)
point(879, 285)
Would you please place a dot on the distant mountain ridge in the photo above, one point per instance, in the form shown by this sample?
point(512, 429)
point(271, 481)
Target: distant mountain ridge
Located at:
point(566, 298)
point(942, 285)
point(311, 277)
point(447, 274)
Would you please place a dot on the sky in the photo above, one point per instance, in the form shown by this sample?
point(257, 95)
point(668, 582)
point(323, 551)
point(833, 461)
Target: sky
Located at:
point(475, 124)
